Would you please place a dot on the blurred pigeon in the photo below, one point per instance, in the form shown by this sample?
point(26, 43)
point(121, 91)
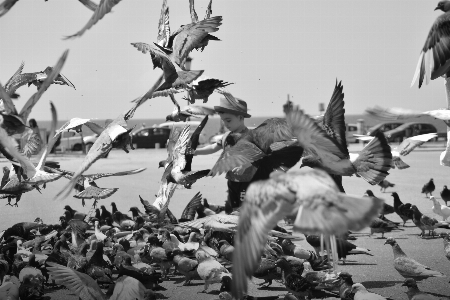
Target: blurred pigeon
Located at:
point(384, 184)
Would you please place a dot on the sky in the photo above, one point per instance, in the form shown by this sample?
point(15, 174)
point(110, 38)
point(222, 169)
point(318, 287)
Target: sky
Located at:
point(268, 49)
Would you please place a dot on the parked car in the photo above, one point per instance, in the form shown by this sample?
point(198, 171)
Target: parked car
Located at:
point(70, 140)
point(407, 130)
point(349, 133)
point(150, 136)
point(383, 127)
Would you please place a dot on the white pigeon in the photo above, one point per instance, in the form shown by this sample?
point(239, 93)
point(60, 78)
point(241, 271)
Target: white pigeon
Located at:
point(441, 210)
point(362, 294)
point(404, 148)
point(98, 234)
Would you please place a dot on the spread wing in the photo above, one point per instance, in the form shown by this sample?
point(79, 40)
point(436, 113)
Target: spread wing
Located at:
point(52, 139)
point(190, 36)
point(334, 119)
point(89, 4)
point(179, 151)
point(242, 153)
point(73, 123)
point(412, 143)
point(76, 282)
point(9, 144)
point(8, 105)
point(163, 25)
point(198, 110)
point(194, 17)
point(193, 143)
point(159, 59)
point(103, 8)
point(33, 145)
point(13, 79)
point(101, 146)
point(26, 109)
point(434, 60)
point(271, 131)
point(398, 113)
point(123, 173)
point(191, 207)
point(128, 288)
point(311, 137)
point(208, 10)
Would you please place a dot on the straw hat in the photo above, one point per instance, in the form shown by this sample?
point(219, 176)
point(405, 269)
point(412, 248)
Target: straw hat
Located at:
point(233, 106)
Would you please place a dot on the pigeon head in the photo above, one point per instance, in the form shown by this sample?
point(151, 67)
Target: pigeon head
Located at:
point(345, 276)
point(67, 207)
point(445, 187)
point(226, 284)
point(445, 236)
point(443, 5)
point(282, 263)
point(410, 282)
point(201, 256)
point(370, 193)
point(169, 118)
point(390, 241)
point(162, 164)
point(358, 287)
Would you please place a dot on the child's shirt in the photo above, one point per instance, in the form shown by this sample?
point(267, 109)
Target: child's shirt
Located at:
point(249, 172)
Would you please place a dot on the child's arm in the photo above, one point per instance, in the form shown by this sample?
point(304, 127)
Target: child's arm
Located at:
point(213, 148)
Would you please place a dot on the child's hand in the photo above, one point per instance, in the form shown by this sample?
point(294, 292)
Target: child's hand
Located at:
point(239, 170)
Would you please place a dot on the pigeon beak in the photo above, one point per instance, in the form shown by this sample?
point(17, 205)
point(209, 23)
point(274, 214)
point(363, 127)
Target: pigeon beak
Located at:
point(385, 243)
point(405, 284)
point(437, 8)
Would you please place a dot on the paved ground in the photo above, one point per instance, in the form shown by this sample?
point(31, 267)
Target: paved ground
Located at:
point(375, 272)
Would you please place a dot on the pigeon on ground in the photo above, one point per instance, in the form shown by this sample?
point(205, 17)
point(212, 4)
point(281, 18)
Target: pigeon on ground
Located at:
point(426, 223)
point(445, 194)
point(361, 293)
point(385, 184)
point(344, 247)
point(408, 267)
point(209, 269)
point(441, 210)
point(387, 209)
point(446, 238)
point(434, 57)
point(379, 226)
point(345, 290)
point(428, 188)
point(413, 291)
point(401, 209)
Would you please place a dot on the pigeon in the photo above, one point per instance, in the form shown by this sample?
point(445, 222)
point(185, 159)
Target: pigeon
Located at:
point(300, 194)
point(445, 194)
point(209, 269)
point(408, 267)
point(405, 147)
point(446, 238)
point(428, 188)
point(413, 291)
point(178, 169)
point(344, 247)
point(189, 111)
point(402, 210)
point(345, 290)
point(379, 226)
point(384, 184)
point(387, 209)
point(441, 210)
point(361, 293)
point(433, 60)
point(398, 113)
point(331, 156)
point(6, 5)
point(426, 223)
point(188, 213)
point(163, 26)
point(103, 8)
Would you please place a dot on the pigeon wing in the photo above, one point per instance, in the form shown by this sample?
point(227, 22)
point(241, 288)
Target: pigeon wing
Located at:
point(80, 284)
point(191, 207)
point(123, 173)
point(412, 143)
point(128, 288)
point(102, 9)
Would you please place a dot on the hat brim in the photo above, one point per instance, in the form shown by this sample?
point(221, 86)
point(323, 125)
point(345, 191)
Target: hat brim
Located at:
point(231, 111)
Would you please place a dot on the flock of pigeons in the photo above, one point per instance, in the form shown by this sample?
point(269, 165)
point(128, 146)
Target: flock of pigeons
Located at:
point(130, 256)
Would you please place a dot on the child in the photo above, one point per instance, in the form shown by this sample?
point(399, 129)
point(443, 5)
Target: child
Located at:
point(233, 117)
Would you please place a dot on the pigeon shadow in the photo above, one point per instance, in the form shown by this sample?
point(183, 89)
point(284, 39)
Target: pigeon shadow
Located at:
point(160, 296)
point(438, 295)
point(379, 284)
point(272, 288)
point(356, 263)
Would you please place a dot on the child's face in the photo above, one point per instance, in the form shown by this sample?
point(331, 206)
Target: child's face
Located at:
point(232, 122)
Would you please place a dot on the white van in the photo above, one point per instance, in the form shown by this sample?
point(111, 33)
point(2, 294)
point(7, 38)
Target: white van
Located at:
point(193, 124)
